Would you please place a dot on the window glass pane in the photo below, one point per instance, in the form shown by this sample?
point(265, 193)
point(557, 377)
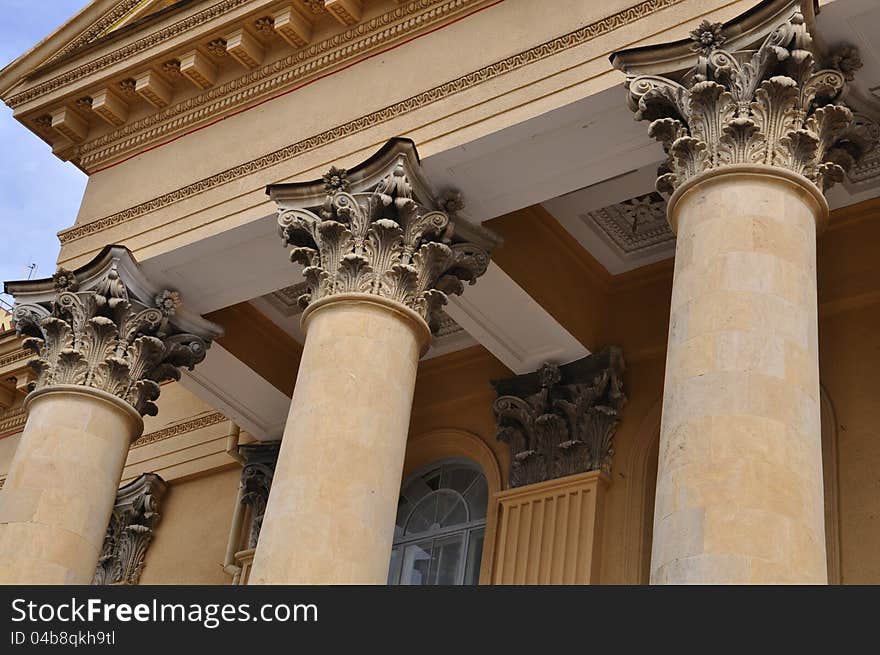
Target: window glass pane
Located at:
point(416, 564)
point(451, 509)
point(404, 507)
point(395, 562)
point(446, 559)
point(478, 498)
point(475, 554)
point(423, 516)
point(450, 498)
point(459, 477)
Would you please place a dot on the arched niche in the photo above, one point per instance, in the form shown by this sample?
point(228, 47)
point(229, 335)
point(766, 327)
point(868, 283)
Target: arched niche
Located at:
point(426, 448)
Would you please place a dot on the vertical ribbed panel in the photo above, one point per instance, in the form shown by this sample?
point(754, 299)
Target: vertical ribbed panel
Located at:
point(550, 532)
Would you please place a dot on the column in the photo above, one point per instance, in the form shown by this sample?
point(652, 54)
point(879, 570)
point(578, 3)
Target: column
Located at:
point(753, 140)
point(103, 341)
point(378, 260)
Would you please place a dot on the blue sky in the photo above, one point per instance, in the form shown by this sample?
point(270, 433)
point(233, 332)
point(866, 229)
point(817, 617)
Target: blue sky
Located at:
point(39, 194)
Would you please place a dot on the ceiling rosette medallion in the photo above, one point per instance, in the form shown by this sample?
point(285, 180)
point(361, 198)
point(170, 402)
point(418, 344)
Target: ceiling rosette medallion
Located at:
point(778, 105)
point(376, 229)
point(104, 326)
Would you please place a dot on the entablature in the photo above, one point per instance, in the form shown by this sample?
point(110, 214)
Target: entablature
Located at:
point(109, 95)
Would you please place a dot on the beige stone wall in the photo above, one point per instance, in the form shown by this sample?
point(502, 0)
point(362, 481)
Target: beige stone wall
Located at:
point(849, 360)
point(190, 541)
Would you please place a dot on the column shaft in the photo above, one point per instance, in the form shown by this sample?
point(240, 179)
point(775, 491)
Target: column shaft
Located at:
point(331, 511)
point(739, 485)
point(59, 494)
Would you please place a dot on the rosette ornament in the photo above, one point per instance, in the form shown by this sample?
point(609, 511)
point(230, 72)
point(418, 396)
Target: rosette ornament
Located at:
point(775, 105)
point(376, 230)
point(105, 327)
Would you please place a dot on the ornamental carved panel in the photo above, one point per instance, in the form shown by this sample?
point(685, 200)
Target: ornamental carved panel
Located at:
point(561, 420)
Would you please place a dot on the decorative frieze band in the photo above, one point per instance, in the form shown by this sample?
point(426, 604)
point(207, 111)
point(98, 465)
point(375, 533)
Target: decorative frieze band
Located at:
point(470, 80)
point(14, 357)
point(12, 420)
point(204, 421)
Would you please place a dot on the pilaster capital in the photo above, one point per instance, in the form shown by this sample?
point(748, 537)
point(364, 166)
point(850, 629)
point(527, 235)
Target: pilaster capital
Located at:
point(774, 101)
point(132, 525)
point(107, 327)
point(256, 482)
point(377, 229)
point(561, 420)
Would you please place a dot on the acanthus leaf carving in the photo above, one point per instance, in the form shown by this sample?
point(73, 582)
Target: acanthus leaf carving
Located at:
point(773, 106)
point(256, 483)
point(561, 420)
point(132, 524)
point(384, 238)
point(98, 332)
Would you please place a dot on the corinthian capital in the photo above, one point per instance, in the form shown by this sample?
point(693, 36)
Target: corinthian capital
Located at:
point(106, 327)
point(376, 229)
point(779, 104)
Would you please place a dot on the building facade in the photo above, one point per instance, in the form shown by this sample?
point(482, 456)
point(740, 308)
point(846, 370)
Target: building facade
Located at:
point(451, 292)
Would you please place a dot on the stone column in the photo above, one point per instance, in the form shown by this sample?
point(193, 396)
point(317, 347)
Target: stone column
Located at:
point(378, 260)
point(753, 141)
point(103, 341)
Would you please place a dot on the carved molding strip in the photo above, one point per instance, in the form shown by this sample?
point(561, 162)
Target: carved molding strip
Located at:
point(15, 356)
point(257, 84)
point(561, 420)
point(125, 52)
point(12, 420)
point(191, 425)
point(475, 78)
point(286, 301)
point(130, 532)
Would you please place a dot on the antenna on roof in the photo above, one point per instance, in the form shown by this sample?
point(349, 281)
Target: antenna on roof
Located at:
point(31, 270)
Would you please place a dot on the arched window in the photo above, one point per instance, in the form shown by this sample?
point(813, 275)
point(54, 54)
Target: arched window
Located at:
point(441, 519)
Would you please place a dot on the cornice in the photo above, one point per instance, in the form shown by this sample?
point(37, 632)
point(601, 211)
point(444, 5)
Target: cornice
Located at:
point(191, 425)
point(120, 54)
point(298, 66)
point(440, 92)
